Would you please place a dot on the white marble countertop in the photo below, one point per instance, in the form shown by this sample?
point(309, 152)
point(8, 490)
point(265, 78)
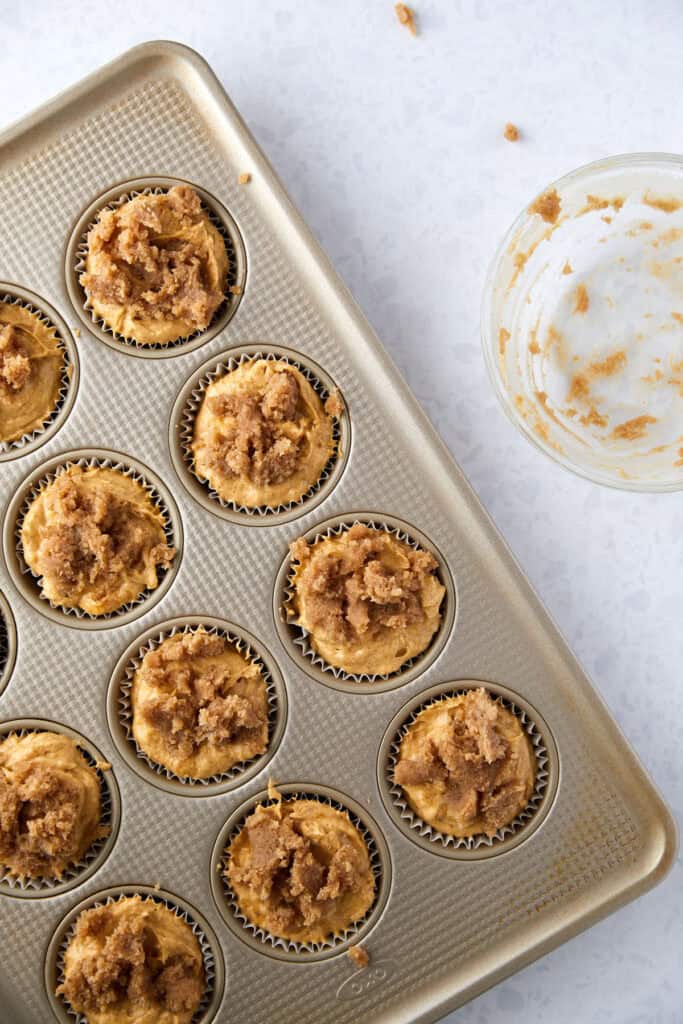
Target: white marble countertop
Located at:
point(392, 147)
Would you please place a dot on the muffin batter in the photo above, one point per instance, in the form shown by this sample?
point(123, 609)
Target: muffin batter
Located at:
point(368, 601)
point(301, 870)
point(95, 538)
point(466, 765)
point(31, 365)
point(133, 961)
point(262, 436)
point(199, 706)
point(156, 267)
point(49, 805)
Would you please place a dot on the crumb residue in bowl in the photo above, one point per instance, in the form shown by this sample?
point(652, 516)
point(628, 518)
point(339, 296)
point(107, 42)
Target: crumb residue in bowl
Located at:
point(633, 430)
point(547, 206)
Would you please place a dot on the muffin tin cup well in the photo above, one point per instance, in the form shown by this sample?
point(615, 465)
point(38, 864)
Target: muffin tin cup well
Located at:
point(96, 855)
point(296, 640)
point(478, 847)
point(119, 712)
point(8, 642)
point(77, 249)
point(68, 387)
point(29, 585)
point(181, 435)
point(285, 949)
point(214, 968)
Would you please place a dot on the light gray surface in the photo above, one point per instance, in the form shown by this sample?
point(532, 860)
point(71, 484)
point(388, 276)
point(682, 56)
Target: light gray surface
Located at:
point(392, 149)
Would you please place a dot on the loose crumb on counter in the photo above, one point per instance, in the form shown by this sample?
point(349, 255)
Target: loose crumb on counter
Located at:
point(244, 178)
point(76, 332)
point(406, 15)
point(359, 956)
point(511, 132)
point(547, 206)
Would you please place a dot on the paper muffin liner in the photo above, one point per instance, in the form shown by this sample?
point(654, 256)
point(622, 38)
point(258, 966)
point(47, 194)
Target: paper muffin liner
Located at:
point(411, 824)
point(299, 638)
point(77, 615)
point(213, 968)
point(241, 771)
point(234, 288)
point(8, 642)
point(97, 853)
point(186, 424)
point(274, 945)
point(68, 381)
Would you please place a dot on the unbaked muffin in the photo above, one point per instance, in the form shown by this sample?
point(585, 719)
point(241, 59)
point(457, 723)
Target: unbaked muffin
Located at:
point(466, 765)
point(368, 601)
point(50, 807)
point(199, 705)
point(133, 961)
point(300, 870)
point(156, 267)
point(262, 436)
point(31, 368)
point(95, 539)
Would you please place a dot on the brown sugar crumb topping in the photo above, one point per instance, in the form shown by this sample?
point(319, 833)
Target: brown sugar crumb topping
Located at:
point(470, 759)
point(359, 956)
point(153, 276)
point(633, 430)
point(547, 206)
point(581, 299)
point(192, 705)
point(15, 364)
point(511, 132)
point(123, 963)
point(406, 15)
point(352, 594)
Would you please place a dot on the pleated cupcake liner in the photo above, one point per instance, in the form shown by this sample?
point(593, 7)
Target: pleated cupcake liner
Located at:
point(64, 383)
point(336, 943)
point(411, 822)
point(109, 816)
point(193, 405)
point(99, 463)
point(125, 711)
point(208, 954)
point(224, 311)
point(300, 637)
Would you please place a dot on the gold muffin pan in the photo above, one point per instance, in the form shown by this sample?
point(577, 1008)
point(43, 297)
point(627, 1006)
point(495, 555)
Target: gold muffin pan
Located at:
point(478, 847)
point(285, 949)
point(209, 945)
point(8, 642)
point(77, 249)
point(449, 925)
point(119, 714)
point(14, 295)
point(29, 585)
point(181, 436)
point(95, 857)
point(295, 639)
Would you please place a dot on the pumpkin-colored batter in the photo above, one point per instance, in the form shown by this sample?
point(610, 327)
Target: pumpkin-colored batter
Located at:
point(31, 365)
point(301, 870)
point(466, 765)
point(199, 705)
point(368, 601)
point(50, 808)
point(262, 435)
point(133, 962)
point(156, 267)
point(95, 538)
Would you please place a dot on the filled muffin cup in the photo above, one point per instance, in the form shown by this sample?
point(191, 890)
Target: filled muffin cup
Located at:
point(214, 968)
point(48, 317)
point(297, 640)
point(110, 804)
point(8, 642)
point(182, 431)
point(481, 845)
point(273, 945)
point(29, 584)
point(120, 713)
point(77, 252)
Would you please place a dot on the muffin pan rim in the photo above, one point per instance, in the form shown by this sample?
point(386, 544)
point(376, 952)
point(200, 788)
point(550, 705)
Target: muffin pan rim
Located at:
point(201, 491)
point(12, 640)
point(175, 785)
point(107, 779)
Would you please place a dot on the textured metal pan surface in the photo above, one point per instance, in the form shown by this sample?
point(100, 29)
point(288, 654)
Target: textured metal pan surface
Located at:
point(449, 928)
